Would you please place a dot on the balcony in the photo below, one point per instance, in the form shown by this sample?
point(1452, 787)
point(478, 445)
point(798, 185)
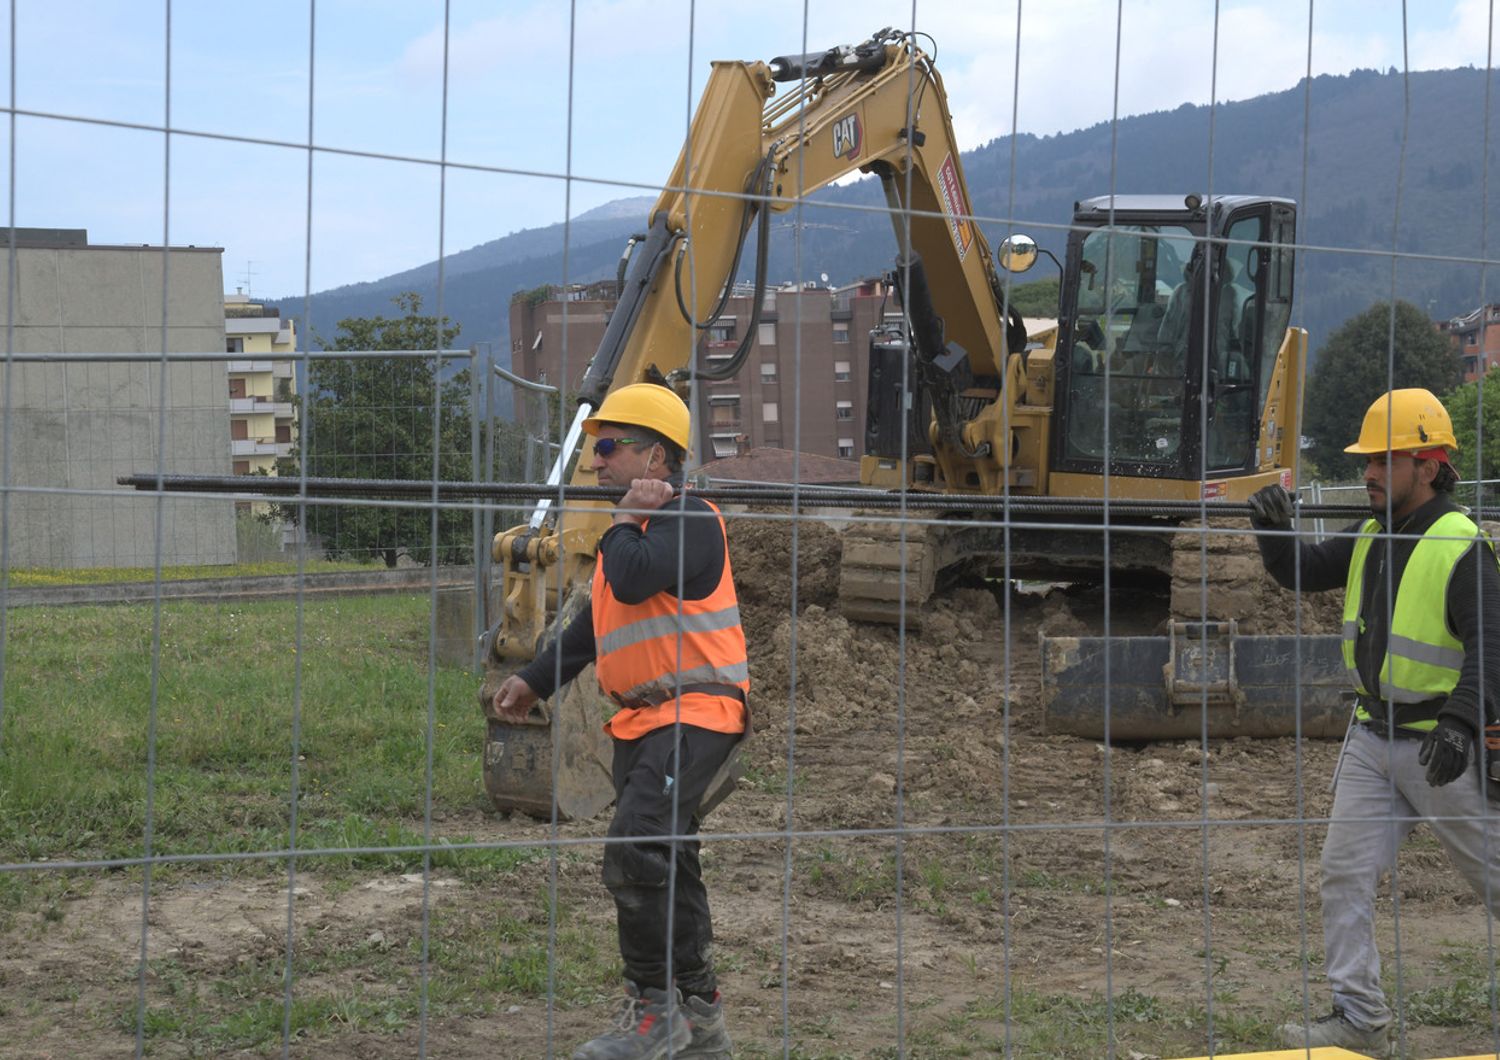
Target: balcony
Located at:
point(258, 325)
point(251, 447)
point(249, 366)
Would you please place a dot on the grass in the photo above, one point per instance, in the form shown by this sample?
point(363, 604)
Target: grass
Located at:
point(78, 718)
point(74, 784)
point(476, 957)
point(1464, 998)
point(42, 577)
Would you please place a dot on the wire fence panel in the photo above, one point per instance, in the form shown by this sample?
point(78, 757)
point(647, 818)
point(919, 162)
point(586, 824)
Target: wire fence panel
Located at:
point(1042, 755)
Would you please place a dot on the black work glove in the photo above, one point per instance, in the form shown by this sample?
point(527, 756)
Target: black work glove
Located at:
point(1445, 751)
point(1271, 508)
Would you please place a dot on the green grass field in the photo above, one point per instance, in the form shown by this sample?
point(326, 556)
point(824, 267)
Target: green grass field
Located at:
point(78, 716)
point(41, 577)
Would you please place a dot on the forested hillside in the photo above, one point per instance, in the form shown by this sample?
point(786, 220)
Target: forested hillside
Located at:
point(1345, 171)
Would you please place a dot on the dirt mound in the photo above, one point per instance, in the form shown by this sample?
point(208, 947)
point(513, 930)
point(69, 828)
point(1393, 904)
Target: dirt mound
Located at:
point(764, 558)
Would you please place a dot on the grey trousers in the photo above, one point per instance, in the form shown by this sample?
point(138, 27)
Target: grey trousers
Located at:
point(1382, 795)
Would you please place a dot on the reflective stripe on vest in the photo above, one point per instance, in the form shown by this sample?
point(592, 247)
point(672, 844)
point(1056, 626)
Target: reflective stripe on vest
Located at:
point(645, 652)
point(1423, 658)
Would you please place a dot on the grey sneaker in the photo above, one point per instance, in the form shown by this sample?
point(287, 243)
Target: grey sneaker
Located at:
point(1335, 1029)
point(643, 1030)
point(710, 1039)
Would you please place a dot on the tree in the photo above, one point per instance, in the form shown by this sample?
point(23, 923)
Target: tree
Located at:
point(1463, 404)
point(373, 418)
point(1355, 367)
point(1035, 299)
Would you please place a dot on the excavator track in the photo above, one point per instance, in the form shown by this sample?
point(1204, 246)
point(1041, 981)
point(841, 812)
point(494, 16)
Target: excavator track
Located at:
point(1217, 574)
point(890, 568)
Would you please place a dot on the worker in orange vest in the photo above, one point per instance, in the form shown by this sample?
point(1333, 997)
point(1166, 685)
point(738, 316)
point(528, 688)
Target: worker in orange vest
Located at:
point(663, 631)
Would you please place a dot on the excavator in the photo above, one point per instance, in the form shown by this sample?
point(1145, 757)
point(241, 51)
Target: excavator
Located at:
point(1169, 379)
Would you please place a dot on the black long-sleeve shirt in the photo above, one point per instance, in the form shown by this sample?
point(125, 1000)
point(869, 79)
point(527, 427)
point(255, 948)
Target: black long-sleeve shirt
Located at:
point(638, 564)
point(1476, 577)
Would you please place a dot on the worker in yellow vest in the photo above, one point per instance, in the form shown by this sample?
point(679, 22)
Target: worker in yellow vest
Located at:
point(663, 632)
point(1421, 583)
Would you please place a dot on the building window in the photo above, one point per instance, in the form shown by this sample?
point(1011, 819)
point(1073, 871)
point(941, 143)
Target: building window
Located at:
point(768, 412)
point(1471, 339)
point(725, 414)
point(840, 371)
point(767, 372)
point(239, 430)
point(242, 467)
point(766, 333)
point(844, 410)
point(283, 433)
point(841, 333)
point(846, 447)
point(236, 388)
point(725, 445)
point(721, 333)
point(234, 345)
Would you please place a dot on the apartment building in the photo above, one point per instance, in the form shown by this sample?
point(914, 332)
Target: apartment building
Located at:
point(262, 384)
point(1476, 339)
point(802, 385)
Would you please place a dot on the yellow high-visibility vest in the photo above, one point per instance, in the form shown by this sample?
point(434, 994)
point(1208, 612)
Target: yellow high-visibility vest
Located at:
point(1422, 658)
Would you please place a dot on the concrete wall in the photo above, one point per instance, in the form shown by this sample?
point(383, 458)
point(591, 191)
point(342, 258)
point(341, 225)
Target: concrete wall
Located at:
point(79, 426)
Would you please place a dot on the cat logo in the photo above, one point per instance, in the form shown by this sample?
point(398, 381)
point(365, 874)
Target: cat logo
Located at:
point(847, 137)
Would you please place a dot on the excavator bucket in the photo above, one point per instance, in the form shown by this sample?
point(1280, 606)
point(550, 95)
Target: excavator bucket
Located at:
point(1198, 675)
point(560, 749)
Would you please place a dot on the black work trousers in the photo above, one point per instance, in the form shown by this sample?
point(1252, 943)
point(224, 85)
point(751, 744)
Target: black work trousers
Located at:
point(665, 770)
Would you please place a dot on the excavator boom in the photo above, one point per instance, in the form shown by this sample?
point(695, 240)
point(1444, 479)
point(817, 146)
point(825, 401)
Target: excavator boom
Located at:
point(1171, 373)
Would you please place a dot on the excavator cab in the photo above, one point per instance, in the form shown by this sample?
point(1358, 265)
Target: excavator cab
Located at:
point(1172, 314)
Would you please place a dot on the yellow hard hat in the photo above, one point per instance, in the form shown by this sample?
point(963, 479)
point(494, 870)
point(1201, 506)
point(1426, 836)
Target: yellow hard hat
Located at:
point(1403, 421)
point(645, 405)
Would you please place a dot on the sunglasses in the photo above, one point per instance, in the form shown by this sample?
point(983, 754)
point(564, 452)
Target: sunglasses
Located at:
point(607, 446)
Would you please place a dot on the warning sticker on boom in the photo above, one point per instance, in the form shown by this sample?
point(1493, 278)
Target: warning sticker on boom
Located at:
point(955, 206)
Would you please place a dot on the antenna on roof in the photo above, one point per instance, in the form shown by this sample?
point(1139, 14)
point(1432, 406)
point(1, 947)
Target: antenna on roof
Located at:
point(249, 277)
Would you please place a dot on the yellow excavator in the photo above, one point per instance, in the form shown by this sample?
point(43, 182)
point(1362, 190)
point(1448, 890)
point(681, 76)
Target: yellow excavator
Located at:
point(1170, 376)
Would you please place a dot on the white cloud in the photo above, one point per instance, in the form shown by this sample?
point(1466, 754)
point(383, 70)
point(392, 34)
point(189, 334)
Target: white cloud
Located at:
point(637, 67)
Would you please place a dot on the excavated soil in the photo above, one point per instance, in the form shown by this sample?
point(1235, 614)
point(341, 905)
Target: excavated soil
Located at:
point(905, 830)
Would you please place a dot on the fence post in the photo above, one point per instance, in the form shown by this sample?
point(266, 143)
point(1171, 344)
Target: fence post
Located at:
point(487, 524)
point(475, 385)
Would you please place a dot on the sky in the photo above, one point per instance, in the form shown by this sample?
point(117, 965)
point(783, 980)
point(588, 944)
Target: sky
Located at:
point(542, 110)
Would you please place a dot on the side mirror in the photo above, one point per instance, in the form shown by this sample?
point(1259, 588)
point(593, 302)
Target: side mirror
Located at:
point(1018, 253)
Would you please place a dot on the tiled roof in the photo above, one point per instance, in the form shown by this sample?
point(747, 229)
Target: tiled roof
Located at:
point(766, 464)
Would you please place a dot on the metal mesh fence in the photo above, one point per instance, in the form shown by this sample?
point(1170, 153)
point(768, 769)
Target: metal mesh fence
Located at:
point(251, 825)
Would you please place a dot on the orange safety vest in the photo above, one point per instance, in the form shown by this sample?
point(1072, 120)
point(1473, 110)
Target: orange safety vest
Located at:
point(648, 653)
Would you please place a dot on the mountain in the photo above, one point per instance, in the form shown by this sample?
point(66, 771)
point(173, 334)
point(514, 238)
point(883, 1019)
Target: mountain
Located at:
point(1334, 145)
point(478, 282)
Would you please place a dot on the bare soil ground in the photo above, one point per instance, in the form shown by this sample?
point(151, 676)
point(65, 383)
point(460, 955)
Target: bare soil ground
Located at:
point(945, 854)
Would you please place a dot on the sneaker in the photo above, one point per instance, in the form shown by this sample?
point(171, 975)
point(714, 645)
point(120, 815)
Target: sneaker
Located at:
point(1335, 1029)
point(644, 1030)
point(710, 1039)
